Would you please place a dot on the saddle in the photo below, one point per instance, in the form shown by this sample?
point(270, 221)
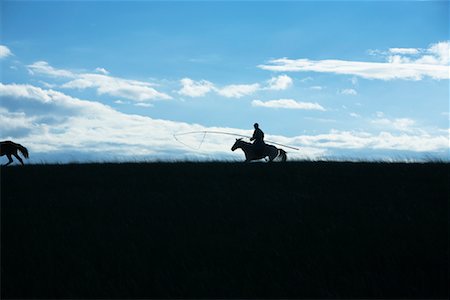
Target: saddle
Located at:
point(259, 149)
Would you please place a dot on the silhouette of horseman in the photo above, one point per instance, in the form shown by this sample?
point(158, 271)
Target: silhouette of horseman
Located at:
point(258, 140)
point(9, 148)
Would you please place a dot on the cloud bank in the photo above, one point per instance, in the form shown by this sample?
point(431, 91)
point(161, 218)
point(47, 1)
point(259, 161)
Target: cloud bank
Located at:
point(48, 121)
point(401, 63)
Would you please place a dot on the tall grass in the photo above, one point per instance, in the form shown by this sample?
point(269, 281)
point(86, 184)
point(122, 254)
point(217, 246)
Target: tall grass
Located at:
point(225, 230)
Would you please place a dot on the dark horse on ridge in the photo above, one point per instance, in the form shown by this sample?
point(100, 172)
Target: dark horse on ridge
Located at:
point(249, 150)
point(9, 148)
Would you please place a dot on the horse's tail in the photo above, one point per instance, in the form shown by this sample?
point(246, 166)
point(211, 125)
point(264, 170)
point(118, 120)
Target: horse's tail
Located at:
point(283, 154)
point(22, 150)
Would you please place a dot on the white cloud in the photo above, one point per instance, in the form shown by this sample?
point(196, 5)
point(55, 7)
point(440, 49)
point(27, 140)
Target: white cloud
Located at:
point(15, 123)
point(102, 70)
point(410, 51)
point(355, 115)
point(130, 89)
point(384, 140)
point(121, 102)
point(4, 51)
point(144, 104)
point(47, 122)
point(288, 104)
point(238, 90)
point(402, 124)
point(42, 67)
point(316, 88)
point(47, 85)
point(433, 65)
point(84, 126)
point(350, 92)
point(200, 88)
point(306, 79)
point(281, 82)
point(441, 51)
point(193, 88)
point(118, 87)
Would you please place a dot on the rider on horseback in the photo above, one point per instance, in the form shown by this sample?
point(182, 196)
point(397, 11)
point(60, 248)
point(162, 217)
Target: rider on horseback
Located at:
point(258, 138)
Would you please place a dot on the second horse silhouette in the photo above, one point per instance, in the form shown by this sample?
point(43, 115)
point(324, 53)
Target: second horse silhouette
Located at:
point(9, 148)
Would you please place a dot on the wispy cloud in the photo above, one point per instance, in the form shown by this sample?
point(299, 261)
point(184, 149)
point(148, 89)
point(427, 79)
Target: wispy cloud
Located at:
point(102, 71)
point(288, 104)
point(351, 92)
point(280, 82)
point(410, 51)
point(50, 121)
point(4, 51)
point(193, 88)
point(118, 87)
point(104, 84)
point(200, 88)
point(383, 140)
point(432, 63)
point(402, 124)
point(144, 104)
point(316, 88)
point(43, 68)
point(238, 90)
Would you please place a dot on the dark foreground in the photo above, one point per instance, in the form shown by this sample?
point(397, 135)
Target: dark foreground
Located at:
point(225, 230)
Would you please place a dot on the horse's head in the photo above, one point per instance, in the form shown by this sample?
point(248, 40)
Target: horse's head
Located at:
point(237, 144)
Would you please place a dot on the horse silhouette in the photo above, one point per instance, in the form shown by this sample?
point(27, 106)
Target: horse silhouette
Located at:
point(249, 150)
point(9, 148)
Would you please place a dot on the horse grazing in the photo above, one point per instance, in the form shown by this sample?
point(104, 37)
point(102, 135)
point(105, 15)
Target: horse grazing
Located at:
point(249, 150)
point(9, 148)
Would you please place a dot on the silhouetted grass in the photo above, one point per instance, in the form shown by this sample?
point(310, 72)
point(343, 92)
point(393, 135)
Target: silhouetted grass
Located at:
point(225, 230)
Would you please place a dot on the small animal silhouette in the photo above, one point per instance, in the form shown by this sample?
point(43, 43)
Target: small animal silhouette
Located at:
point(9, 148)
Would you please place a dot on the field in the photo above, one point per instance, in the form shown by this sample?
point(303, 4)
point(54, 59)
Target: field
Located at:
point(225, 230)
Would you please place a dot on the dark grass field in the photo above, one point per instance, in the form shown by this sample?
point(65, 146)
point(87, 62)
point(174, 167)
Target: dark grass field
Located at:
point(225, 230)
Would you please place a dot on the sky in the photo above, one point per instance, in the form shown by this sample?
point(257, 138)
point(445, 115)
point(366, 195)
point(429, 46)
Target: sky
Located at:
point(115, 80)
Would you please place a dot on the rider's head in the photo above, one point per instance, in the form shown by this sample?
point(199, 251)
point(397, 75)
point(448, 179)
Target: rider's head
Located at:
point(256, 125)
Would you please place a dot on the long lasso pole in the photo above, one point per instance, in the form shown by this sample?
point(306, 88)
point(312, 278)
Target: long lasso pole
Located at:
point(227, 133)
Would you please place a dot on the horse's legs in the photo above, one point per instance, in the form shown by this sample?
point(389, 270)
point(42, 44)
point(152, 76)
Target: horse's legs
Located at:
point(271, 155)
point(18, 157)
point(9, 158)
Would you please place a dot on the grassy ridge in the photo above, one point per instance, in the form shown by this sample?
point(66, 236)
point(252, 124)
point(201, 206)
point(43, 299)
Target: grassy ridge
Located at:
point(214, 230)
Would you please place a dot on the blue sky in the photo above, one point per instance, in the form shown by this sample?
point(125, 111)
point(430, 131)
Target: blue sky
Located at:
point(102, 80)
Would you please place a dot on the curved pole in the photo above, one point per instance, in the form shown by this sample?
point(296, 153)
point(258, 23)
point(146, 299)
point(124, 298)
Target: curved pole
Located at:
point(227, 133)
